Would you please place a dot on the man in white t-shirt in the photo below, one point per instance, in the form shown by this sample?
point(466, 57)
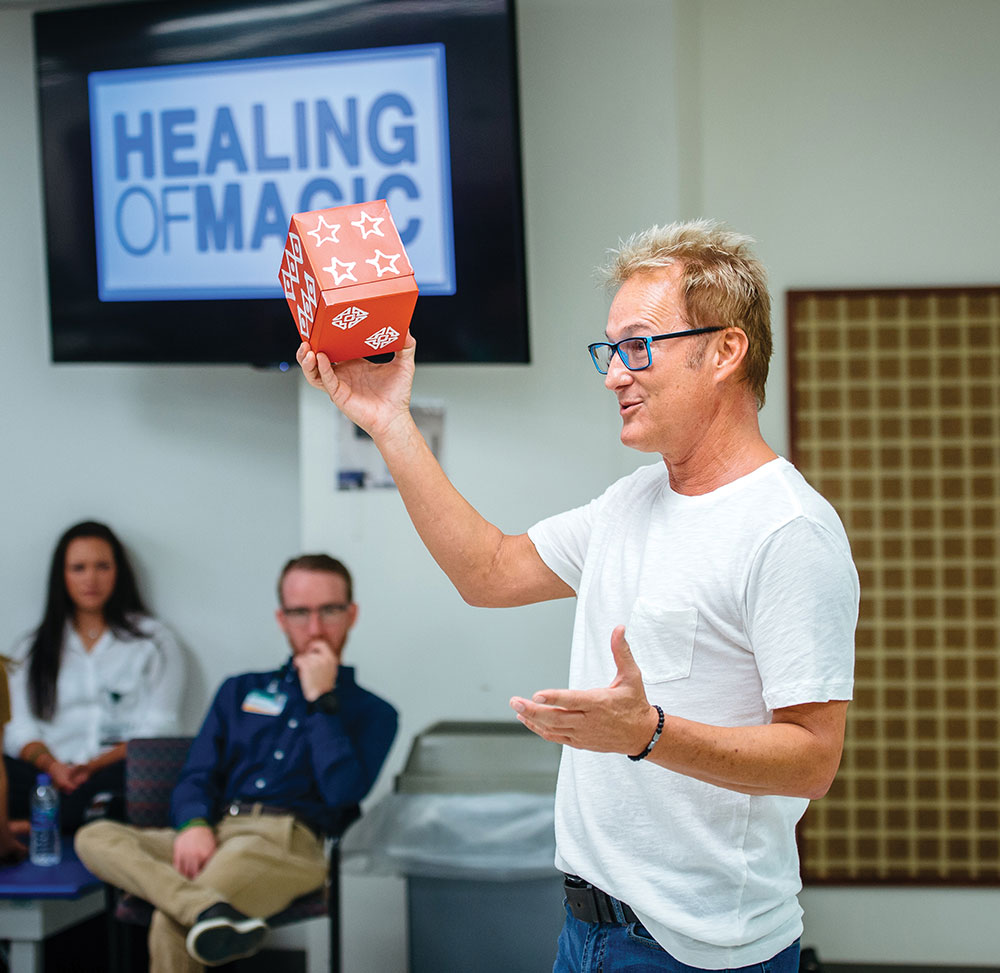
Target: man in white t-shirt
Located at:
point(712, 653)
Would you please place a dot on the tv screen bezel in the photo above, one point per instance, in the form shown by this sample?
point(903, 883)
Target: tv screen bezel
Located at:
point(484, 321)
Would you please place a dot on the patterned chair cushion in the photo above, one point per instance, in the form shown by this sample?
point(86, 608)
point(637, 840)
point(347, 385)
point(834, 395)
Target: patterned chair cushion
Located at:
point(152, 767)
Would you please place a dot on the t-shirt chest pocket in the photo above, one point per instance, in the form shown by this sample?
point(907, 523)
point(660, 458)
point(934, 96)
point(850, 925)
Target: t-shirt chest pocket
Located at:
point(662, 640)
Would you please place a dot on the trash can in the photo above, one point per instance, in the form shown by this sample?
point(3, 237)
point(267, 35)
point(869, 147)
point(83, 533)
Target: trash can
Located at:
point(470, 826)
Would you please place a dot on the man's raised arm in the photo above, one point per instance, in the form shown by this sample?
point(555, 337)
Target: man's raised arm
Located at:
point(489, 568)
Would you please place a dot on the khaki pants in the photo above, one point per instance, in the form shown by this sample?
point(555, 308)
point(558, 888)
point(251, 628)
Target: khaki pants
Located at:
point(261, 864)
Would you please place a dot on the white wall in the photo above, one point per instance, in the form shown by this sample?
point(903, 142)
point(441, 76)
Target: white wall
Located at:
point(195, 468)
point(857, 141)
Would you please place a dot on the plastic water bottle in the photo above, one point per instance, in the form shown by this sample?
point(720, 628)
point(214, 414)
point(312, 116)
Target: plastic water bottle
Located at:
point(46, 846)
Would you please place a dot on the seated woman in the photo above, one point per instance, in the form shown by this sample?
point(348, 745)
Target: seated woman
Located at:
point(96, 672)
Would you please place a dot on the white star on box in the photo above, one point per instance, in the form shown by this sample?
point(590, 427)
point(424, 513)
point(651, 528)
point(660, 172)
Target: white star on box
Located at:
point(391, 258)
point(362, 224)
point(318, 232)
point(339, 278)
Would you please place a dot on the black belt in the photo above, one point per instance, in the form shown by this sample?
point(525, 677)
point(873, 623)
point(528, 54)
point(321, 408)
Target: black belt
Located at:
point(590, 904)
point(239, 807)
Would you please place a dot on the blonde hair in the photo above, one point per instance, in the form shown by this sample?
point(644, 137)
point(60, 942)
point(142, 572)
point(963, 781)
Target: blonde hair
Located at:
point(724, 284)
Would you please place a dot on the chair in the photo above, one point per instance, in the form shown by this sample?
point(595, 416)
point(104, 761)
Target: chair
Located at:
point(151, 769)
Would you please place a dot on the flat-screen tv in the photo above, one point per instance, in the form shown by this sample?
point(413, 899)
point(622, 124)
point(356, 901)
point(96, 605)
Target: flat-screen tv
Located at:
point(179, 137)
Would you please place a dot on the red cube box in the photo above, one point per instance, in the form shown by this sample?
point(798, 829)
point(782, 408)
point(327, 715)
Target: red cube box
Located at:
point(348, 281)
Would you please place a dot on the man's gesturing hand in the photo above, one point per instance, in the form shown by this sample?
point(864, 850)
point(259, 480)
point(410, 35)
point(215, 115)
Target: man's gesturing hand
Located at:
point(618, 719)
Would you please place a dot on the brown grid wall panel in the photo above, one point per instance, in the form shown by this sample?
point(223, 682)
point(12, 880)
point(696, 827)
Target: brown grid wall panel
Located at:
point(895, 419)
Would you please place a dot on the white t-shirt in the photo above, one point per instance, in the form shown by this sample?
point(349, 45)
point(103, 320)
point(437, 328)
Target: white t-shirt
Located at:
point(736, 602)
point(119, 690)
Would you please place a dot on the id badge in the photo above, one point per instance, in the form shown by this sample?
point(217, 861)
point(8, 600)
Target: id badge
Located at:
point(266, 704)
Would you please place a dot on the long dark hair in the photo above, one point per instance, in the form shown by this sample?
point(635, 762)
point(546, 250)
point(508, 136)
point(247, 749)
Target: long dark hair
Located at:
point(120, 610)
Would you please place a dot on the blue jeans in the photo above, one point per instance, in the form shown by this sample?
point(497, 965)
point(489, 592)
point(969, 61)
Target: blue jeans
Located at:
point(591, 947)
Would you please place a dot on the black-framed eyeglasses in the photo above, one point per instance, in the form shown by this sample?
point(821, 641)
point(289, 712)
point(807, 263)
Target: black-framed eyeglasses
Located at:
point(636, 353)
point(327, 613)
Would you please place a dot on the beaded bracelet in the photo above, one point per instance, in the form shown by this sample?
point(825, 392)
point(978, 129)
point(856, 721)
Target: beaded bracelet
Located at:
point(656, 736)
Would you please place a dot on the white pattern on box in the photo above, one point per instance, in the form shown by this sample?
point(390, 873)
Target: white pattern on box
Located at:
point(307, 305)
point(290, 267)
point(349, 317)
point(381, 338)
point(310, 295)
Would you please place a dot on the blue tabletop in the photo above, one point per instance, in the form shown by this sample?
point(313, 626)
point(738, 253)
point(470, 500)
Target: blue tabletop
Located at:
point(67, 880)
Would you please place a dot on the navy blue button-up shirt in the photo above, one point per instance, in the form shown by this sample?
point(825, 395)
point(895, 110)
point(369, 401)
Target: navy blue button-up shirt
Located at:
point(312, 763)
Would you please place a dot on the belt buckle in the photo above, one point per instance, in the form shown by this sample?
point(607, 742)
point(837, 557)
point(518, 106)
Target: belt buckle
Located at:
point(590, 904)
point(581, 903)
point(585, 901)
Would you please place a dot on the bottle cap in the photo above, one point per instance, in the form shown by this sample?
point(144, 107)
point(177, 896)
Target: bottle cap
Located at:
point(43, 780)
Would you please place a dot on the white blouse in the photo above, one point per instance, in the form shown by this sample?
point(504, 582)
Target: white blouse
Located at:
point(118, 690)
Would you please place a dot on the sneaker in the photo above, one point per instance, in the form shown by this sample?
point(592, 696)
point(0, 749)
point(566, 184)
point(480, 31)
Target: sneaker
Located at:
point(222, 933)
point(98, 807)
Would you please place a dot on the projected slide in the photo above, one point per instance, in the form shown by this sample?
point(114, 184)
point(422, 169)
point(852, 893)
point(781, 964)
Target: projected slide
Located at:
point(198, 168)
